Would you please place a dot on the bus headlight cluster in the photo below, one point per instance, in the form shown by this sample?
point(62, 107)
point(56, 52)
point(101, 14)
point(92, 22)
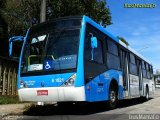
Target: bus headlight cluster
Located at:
point(22, 84)
point(70, 81)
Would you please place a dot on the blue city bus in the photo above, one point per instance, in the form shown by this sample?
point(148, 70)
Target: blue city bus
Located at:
point(74, 59)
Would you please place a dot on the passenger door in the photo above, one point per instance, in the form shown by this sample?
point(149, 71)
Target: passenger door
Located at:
point(124, 64)
point(139, 67)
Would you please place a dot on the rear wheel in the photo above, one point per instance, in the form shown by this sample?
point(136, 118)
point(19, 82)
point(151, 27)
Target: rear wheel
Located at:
point(112, 103)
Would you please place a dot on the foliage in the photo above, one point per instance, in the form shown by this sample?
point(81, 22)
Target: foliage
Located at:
point(92, 8)
point(9, 99)
point(123, 40)
point(21, 14)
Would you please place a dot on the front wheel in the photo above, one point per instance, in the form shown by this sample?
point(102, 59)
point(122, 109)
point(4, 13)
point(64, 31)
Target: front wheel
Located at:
point(112, 103)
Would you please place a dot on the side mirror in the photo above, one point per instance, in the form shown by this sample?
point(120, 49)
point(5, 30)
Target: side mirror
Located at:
point(93, 42)
point(15, 45)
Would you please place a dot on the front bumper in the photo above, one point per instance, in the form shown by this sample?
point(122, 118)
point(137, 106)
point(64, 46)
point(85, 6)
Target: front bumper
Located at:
point(55, 94)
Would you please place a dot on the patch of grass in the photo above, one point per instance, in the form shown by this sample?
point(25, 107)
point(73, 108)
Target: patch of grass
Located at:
point(9, 100)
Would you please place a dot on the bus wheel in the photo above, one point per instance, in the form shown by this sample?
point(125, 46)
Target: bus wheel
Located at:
point(147, 94)
point(112, 97)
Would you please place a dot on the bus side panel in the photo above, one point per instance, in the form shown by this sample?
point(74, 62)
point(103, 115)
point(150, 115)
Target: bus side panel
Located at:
point(151, 87)
point(97, 89)
point(94, 92)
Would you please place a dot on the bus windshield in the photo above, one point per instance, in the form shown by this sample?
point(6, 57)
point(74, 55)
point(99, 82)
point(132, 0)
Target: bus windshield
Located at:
point(56, 50)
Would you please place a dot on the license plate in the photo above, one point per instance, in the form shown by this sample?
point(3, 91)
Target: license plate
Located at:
point(42, 92)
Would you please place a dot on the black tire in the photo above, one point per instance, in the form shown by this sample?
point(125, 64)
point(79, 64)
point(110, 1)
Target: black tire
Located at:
point(112, 103)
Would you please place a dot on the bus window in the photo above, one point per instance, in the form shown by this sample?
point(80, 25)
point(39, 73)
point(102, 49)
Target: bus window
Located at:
point(132, 58)
point(132, 65)
point(97, 51)
point(148, 73)
point(151, 70)
point(113, 61)
point(112, 47)
point(144, 69)
point(94, 67)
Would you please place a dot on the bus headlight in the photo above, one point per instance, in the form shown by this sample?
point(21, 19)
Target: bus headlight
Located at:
point(70, 81)
point(22, 84)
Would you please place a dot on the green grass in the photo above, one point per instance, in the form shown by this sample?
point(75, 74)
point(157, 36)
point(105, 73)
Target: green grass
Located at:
point(9, 100)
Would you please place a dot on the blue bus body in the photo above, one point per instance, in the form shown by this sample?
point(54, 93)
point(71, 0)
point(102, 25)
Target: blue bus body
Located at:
point(52, 86)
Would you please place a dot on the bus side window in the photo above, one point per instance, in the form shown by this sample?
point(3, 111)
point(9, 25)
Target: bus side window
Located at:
point(132, 65)
point(150, 71)
point(87, 46)
point(144, 69)
point(97, 51)
point(113, 60)
point(95, 67)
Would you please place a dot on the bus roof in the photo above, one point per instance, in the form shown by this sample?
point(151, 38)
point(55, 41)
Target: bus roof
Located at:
point(134, 51)
point(102, 29)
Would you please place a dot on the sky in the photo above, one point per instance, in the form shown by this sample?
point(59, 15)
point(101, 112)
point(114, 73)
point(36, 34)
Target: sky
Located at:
point(139, 26)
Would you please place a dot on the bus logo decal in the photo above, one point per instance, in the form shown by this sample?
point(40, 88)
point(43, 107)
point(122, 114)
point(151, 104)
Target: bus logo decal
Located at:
point(47, 66)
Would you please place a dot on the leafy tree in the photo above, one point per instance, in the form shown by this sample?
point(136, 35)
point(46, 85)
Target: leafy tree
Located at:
point(21, 14)
point(92, 8)
point(123, 40)
point(3, 35)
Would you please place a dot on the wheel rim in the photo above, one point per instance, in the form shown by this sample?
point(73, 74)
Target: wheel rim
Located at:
point(112, 96)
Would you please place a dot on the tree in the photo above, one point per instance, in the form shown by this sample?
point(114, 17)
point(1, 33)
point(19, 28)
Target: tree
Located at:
point(22, 14)
point(123, 40)
point(92, 8)
point(43, 10)
point(3, 34)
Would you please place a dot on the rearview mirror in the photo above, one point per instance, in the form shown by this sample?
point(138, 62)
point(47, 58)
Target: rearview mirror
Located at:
point(93, 46)
point(93, 42)
point(15, 45)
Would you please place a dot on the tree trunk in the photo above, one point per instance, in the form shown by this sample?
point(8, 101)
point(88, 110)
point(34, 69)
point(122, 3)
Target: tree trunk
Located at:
point(43, 11)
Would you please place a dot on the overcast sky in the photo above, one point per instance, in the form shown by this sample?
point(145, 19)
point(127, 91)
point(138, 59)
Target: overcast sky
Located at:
point(139, 26)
